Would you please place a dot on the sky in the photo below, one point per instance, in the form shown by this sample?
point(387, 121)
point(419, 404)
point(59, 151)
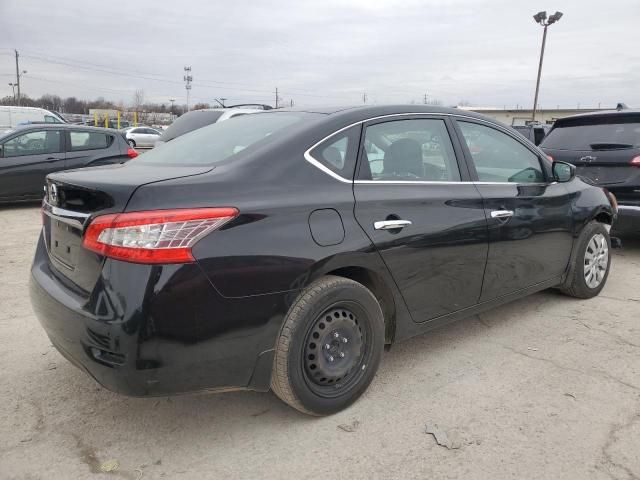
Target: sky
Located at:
point(325, 52)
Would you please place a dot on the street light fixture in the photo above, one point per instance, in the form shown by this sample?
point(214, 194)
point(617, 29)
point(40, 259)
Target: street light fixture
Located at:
point(541, 18)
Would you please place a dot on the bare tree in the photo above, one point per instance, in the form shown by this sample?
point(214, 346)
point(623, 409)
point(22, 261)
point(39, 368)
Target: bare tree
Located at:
point(138, 100)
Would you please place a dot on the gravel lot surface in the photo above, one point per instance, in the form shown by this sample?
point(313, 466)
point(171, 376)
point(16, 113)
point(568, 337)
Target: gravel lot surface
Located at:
point(546, 387)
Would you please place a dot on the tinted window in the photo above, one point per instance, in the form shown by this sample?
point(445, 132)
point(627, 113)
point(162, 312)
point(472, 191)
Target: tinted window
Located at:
point(339, 152)
point(581, 134)
point(89, 140)
point(220, 141)
point(33, 143)
point(190, 121)
point(499, 157)
point(409, 150)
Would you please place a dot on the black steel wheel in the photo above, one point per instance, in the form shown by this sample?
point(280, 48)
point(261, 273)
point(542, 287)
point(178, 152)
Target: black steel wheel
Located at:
point(329, 347)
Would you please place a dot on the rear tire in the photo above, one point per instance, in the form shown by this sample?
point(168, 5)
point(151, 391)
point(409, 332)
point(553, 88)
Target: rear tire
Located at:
point(590, 270)
point(329, 346)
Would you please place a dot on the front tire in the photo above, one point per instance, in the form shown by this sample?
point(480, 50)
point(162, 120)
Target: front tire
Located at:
point(590, 270)
point(329, 346)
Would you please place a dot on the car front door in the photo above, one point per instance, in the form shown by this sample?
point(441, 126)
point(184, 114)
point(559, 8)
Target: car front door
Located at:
point(529, 217)
point(426, 219)
point(26, 159)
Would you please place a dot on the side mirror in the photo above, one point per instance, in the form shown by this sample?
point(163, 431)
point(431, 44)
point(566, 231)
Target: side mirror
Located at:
point(563, 172)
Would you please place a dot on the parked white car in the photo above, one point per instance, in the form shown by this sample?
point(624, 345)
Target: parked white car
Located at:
point(142, 137)
point(13, 116)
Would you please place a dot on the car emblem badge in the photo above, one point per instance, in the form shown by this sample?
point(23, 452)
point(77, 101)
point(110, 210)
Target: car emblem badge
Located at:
point(588, 159)
point(53, 194)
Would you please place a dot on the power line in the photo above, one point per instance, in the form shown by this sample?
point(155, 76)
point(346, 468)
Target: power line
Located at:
point(158, 78)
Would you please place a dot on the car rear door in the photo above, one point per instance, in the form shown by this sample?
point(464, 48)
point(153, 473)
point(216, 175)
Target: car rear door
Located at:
point(26, 159)
point(426, 219)
point(530, 219)
point(90, 147)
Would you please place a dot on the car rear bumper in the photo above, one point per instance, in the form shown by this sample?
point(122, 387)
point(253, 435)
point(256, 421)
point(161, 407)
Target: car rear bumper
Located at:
point(628, 219)
point(158, 330)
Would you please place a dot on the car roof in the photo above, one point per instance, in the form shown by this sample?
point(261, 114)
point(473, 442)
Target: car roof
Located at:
point(360, 113)
point(59, 126)
point(602, 113)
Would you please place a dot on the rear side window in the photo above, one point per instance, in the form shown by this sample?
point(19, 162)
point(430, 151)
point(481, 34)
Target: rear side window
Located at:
point(498, 157)
point(338, 153)
point(409, 150)
point(594, 133)
point(89, 140)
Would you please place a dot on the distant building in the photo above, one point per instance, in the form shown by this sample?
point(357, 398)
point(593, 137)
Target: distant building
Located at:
point(522, 116)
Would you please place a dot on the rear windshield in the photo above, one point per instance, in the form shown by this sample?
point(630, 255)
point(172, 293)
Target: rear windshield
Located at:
point(583, 133)
point(188, 122)
point(220, 141)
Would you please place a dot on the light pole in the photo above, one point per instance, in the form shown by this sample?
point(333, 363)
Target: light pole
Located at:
point(13, 88)
point(172, 100)
point(541, 18)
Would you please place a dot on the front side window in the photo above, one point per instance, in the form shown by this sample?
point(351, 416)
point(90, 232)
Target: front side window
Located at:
point(498, 157)
point(409, 150)
point(89, 140)
point(32, 143)
point(51, 119)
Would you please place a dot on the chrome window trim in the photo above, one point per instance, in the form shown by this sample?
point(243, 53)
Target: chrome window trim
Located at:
point(309, 158)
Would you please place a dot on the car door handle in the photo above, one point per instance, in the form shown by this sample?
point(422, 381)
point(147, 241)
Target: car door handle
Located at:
point(503, 214)
point(391, 224)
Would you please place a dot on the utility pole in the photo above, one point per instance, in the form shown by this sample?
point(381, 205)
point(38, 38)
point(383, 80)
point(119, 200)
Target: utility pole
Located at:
point(276, 97)
point(424, 100)
point(364, 97)
point(187, 83)
point(541, 18)
point(17, 76)
point(171, 100)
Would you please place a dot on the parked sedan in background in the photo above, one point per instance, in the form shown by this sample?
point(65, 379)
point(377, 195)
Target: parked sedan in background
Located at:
point(29, 152)
point(142, 137)
point(605, 148)
point(270, 251)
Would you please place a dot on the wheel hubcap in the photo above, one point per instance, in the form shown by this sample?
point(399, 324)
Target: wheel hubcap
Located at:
point(596, 260)
point(333, 347)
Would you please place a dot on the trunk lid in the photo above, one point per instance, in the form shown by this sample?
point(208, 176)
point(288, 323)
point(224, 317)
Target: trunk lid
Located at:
point(74, 197)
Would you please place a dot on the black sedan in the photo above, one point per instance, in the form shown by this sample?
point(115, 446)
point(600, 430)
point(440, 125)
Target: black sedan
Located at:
point(29, 152)
point(284, 250)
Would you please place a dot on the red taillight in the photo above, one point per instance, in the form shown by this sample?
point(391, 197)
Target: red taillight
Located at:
point(635, 161)
point(156, 236)
point(132, 153)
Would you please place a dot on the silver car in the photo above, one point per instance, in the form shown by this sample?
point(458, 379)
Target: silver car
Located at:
point(142, 137)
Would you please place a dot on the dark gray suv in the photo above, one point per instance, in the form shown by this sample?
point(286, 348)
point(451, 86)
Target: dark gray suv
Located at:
point(28, 153)
point(605, 148)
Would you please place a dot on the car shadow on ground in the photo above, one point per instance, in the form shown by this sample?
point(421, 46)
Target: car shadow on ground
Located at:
point(205, 411)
